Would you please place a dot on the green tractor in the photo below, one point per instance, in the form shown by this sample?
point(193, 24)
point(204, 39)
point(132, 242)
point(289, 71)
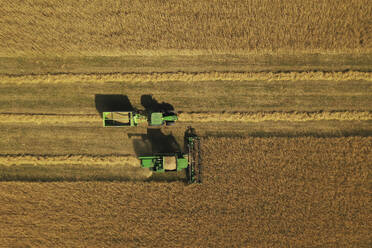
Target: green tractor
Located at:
point(136, 117)
point(191, 161)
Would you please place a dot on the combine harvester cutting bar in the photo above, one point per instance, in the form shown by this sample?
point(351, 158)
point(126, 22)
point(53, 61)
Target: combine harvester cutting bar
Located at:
point(194, 169)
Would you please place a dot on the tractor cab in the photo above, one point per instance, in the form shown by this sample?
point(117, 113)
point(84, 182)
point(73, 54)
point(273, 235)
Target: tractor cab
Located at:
point(159, 118)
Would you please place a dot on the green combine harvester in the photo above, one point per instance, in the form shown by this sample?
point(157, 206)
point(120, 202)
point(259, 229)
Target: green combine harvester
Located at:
point(191, 161)
point(136, 117)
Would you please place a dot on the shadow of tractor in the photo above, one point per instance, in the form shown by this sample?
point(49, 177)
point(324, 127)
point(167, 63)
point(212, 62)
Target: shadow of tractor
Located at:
point(152, 105)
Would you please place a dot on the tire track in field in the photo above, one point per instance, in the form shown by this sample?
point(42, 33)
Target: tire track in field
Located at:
point(187, 77)
point(197, 117)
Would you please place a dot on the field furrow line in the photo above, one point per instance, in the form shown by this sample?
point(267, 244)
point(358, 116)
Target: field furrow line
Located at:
point(197, 117)
point(187, 77)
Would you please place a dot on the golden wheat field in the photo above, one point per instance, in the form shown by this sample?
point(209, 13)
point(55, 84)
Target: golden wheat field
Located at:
point(279, 92)
point(117, 27)
point(263, 192)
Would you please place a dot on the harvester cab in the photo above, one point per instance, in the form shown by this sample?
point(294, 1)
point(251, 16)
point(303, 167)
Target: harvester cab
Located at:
point(190, 161)
point(135, 118)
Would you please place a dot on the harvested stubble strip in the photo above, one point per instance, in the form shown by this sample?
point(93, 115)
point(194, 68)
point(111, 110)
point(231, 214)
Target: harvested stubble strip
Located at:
point(189, 77)
point(48, 119)
point(10, 160)
point(70, 168)
point(200, 117)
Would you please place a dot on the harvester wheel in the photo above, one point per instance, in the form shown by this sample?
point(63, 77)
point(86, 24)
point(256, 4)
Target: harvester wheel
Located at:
point(170, 123)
